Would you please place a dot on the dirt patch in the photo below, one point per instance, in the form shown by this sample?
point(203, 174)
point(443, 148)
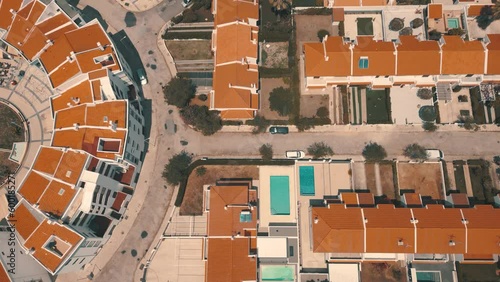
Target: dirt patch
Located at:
point(371, 183)
point(387, 180)
point(275, 55)
point(309, 104)
point(266, 86)
point(190, 49)
point(11, 126)
point(193, 198)
point(307, 27)
point(4, 160)
point(424, 178)
point(382, 272)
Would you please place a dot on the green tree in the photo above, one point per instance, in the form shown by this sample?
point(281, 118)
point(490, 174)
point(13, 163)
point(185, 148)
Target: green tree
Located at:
point(424, 93)
point(416, 23)
point(322, 112)
point(456, 31)
point(415, 152)
point(202, 119)
point(319, 150)
point(280, 7)
point(486, 17)
point(266, 151)
point(468, 123)
point(280, 101)
point(179, 91)
point(434, 35)
point(374, 152)
point(260, 124)
point(177, 169)
point(429, 126)
point(304, 123)
point(322, 33)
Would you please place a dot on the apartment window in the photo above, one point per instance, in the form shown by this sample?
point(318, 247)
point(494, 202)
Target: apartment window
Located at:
point(82, 184)
point(74, 261)
point(107, 197)
point(83, 219)
point(426, 75)
point(363, 63)
point(103, 210)
point(81, 261)
point(469, 75)
point(102, 195)
point(114, 194)
point(107, 170)
point(75, 222)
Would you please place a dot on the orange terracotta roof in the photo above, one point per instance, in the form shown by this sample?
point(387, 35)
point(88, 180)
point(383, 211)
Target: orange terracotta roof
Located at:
point(56, 55)
point(338, 229)
point(418, 57)
point(6, 16)
point(56, 198)
point(462, 57)
point(437, 227)
point(374, 2)
point(435, 11)
point(227, 11)
point(366, 199)
point(47, 160)
point(460, 199)
point(474, 10)
point(380, 54)
point(26, 223)
point(339, 58)
point(483, 229)
point(33, 187)
point(341, 3)
point(226, 205)
point(237, 114)
point(227, 82)
point(389, 230)
point(349, 198)
point(40, 238)
point(413, 199)
point(3, 273)
point(493, 67)
point(58, 33)
point(71, 166)
point(98, 115)
point(96, 89)
point(228, 261)
point(98, 74)
point(242, 47)
point(55, 22)
point(87, 62)
point(87, 139)
point(81, 91)
point(63, 73)
point(87, 37)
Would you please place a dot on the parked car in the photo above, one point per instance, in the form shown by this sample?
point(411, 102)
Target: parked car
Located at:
point(278, 130)
point(142, 76)
point(434, 154)
point(185, 3)
point(295, 154)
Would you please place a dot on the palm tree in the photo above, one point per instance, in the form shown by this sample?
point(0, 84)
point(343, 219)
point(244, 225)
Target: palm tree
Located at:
point(279, 6)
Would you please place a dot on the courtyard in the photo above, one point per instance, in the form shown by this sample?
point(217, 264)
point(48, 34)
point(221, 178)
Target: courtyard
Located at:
point(405, 105)
point(424, 178)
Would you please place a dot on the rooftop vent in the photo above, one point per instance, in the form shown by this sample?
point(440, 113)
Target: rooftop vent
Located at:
point(451, 243)
point(400, 242)
point(68, 173)
point(316, 220)
point(413, 220)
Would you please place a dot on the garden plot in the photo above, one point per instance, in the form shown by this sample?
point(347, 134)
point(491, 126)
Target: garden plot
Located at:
point(424, 178)
point(274, 55)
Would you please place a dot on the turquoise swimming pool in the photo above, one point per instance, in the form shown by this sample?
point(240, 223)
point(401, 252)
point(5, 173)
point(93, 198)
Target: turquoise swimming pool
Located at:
point(428, 276)
point(277, 273)
point(453, 23)
point(306, 179)
point(280, 195)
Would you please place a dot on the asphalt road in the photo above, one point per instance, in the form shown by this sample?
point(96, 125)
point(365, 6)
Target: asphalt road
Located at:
point(143, 36)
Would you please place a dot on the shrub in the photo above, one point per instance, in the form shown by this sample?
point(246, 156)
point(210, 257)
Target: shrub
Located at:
point(319, 150)
point(396, 24)
point(485, 17)
point(341, 28)
point(427, 113)
point(200, 171)
point(179, 91)
point(374, 152)
point(496, 160)
point(203, 97)
point(456, 31)
point(280, 101)
point(202, 119)
point(406, 31)
point(434, 35)
point(176, 171)
point(429, 126)
point(266, 151)
point(468, 123)
point(177, 19)
point(415, 152)
point(424, 93)
point(416, 23)
point(260, 124)
point(322, 33)
point(322, 112)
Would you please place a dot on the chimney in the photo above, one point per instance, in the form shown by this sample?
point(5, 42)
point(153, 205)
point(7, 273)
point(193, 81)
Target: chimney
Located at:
point(76, 126)
point(316, 220)
point(400, 242)
point(100, 46)
point(451, 243)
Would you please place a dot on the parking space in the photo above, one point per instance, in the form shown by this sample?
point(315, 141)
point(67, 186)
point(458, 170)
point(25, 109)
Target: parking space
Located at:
point(181, 225)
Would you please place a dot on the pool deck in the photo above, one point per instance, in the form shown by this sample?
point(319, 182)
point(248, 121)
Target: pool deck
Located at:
point(265, 216)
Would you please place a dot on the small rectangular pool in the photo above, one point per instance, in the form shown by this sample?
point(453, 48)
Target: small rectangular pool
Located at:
point(277, 273)
point(428, 276)
point(453, 23)
point(280, 195)
point(306, 179)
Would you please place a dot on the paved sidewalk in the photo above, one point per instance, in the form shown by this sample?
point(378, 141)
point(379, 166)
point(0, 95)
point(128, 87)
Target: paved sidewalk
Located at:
point(139, 5)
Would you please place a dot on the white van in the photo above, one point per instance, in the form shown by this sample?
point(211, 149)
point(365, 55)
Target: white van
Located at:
point(142, 76)
point(434, 154)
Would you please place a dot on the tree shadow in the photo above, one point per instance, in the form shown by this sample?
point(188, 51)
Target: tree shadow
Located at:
point(130, 19)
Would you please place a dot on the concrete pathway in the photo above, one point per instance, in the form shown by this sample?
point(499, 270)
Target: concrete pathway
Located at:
point(468, 182)
point(362, 105)
point(451, 175)
point(378, 183)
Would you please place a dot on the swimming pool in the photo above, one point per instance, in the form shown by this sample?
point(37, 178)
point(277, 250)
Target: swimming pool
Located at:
point(428, 276)
point(277, 273)
point(280, 195)
point(453, 23)
point(306, 179)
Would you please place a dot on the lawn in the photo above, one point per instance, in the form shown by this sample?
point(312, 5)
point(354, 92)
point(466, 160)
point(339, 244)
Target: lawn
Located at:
point(482, 186)
point(378, 106)
point(190, 49)
point(365, 26)
point(477, 272)
point(12, 127)
point(477, 106)
point(274, 55)
point(458, 169)
point(424, 178)
point(193, 197)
